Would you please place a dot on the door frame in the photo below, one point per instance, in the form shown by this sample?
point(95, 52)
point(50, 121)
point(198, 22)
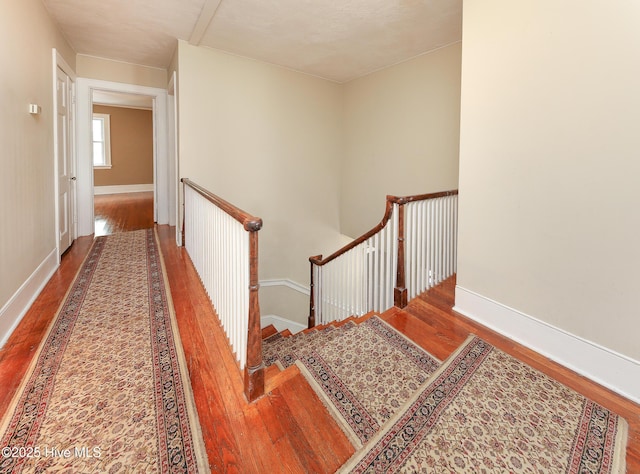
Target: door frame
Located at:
point(84, 173)
point(59, 62)
point(174, 162)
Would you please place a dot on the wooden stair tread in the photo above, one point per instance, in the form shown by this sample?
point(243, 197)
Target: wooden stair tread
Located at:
point(355, 319)
point(271, 330)
point(274, 377)
point(268, 331)
point(302, 419)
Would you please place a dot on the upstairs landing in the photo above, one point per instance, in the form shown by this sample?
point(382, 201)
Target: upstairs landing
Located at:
point(429, 320)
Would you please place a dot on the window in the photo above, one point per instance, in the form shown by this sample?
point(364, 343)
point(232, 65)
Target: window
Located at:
point(101, 141)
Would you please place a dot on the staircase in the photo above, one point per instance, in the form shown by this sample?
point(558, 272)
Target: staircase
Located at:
point(412, 249)
point(278, 373)
point(334, 404)
point(412, 322)
point(285, 342)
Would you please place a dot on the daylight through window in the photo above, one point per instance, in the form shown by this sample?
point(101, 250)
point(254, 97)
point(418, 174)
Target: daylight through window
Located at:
point(101, 141)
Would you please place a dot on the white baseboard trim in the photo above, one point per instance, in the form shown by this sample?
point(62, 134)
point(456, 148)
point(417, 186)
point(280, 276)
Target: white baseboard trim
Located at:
point(17, 306)
point(286, 282)
point(122, 188)
point(281, 323)
point(600, 364)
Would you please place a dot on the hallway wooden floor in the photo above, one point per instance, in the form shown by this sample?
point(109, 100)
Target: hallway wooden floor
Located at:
point(121, 212)
point(288, 430)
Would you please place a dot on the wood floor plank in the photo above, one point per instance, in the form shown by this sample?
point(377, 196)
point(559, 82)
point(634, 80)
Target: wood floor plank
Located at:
point(269, 458)
point(319, 429)
point(291, 406)
point(122, 212)
point(431, 338)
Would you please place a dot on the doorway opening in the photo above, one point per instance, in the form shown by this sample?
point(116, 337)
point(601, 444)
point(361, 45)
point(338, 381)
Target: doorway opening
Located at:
point(90, 186)
point(123, 165)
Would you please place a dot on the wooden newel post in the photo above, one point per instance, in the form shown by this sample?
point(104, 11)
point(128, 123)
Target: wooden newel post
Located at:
point(400, 291)
point(312, 293)
point(254, 369)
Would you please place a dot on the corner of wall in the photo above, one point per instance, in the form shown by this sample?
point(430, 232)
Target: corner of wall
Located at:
point(285, 299)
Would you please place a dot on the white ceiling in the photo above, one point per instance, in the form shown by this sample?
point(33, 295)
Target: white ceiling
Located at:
point(338, 40)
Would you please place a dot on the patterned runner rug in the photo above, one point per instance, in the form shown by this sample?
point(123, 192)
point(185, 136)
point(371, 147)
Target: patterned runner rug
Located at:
point(108, 390)
point(485, 411)
point(363, 372)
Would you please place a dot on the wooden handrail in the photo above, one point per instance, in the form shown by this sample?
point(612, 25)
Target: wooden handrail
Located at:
point(422, 197)
point(249, 222)
point(390, 200)
point(319, 261)
point(254, 367)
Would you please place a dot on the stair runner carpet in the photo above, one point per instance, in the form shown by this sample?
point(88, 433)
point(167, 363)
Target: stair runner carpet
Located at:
point(485, 411)
point(364, 373)
point(108, 388)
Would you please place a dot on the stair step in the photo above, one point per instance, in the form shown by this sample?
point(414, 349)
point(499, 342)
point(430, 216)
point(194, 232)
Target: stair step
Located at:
point(274, 377)
point(268, 331)
point(271, 371)
point(355, 319)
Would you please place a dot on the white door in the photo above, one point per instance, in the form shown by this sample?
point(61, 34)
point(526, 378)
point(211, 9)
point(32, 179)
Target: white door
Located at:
point(65, 172)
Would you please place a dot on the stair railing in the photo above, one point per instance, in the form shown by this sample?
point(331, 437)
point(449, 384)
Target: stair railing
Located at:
point(413, 248)
point(431, 240)
point(222, 242)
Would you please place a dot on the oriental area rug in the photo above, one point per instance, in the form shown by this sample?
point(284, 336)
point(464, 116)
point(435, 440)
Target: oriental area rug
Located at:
point(485, 411)
point(363, 372)
point(108, 390)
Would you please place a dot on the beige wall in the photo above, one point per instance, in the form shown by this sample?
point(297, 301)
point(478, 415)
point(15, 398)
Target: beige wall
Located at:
point(27, 36)
point(290, 148)
point(284, 302)
point(549, 164)
point(401, 135)
point(91, 67)
point(268, 140)
point(131, 147)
